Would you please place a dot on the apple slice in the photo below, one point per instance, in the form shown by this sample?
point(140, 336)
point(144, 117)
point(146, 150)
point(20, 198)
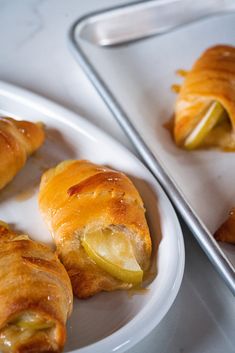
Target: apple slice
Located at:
point(212, 116)
point(112, 251)
point(31, 321)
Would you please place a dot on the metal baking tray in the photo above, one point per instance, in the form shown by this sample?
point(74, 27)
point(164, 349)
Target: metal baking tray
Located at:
point(130, 54)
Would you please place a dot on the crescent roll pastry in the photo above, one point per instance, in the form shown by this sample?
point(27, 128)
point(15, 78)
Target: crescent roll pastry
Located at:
point(97, 219)
point(205, 107)
point(36, 296)
point(226, 232)
point(18, 140)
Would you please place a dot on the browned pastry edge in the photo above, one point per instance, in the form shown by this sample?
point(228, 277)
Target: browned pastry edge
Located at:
point(226, 232)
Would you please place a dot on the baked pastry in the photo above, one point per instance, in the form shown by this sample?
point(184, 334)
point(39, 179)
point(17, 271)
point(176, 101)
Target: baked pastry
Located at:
point(97, 219)
point(205, 107)
point(18, 140)
point(36, 296)
point(226, 232)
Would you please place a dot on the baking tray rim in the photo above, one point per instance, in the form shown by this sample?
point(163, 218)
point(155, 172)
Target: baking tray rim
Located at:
point(197, 227)
point(215, 9)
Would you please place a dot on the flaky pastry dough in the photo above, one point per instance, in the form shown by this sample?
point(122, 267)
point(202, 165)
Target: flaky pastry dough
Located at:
point(18, 140)
point(36, 296)
point(78, 196)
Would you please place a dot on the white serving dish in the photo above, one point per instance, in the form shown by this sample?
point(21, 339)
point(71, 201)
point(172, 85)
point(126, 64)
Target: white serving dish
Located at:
point(109, 322)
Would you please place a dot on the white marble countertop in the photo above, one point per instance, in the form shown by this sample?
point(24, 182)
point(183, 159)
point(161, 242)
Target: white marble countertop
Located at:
point(35, 56)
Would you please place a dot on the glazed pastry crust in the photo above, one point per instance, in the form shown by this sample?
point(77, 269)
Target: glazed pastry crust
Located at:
point(33, 280)
point(210, 79)
point(77, 196)
point(18, 140)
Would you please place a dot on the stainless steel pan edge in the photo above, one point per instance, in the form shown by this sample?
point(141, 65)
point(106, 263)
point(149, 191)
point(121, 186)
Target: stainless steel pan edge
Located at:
point(142, 19)
point(201, 233)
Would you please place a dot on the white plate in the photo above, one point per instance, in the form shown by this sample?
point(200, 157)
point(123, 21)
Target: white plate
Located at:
point(140, 76)
point(109, 322)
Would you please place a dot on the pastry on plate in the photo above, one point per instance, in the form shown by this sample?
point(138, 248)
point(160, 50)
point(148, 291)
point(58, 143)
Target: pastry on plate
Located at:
point(18, 140)
point(97, 219)
point(205, 107)
point(36, 296)
point(226, 232)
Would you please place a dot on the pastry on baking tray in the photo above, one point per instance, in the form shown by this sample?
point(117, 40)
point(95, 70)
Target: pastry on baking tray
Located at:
point(36, 296)
point(18, 140)
point(205, 107)
point(97, 219)
point(226, 232)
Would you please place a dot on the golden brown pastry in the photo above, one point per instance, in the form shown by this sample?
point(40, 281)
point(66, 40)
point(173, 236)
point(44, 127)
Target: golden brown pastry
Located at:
point(205, 107)
point(97, 219)
point(36, 296)
point(226, 232)
point(18, 140)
